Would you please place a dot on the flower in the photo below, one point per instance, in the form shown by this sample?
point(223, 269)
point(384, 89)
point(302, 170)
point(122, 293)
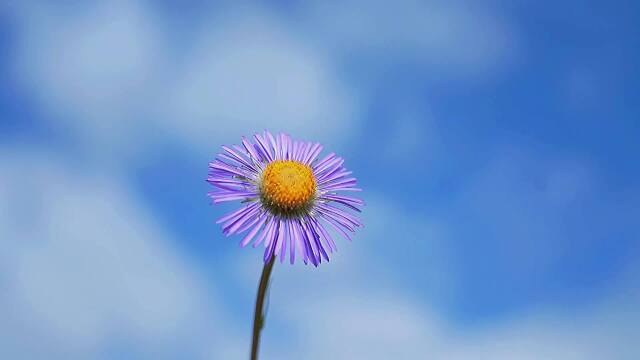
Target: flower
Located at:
point(290, 197)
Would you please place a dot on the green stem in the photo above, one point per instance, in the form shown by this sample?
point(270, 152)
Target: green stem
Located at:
point(258, 316)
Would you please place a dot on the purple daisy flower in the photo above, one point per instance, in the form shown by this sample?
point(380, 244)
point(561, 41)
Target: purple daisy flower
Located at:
point(290, 197)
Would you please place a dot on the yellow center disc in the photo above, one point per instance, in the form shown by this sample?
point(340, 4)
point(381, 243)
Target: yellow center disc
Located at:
point(288, 185)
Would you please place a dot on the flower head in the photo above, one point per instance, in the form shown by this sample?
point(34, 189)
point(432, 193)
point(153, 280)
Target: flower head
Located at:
point(290, 196)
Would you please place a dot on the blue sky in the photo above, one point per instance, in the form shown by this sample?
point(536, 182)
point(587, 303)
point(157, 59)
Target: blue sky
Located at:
point(496, 142)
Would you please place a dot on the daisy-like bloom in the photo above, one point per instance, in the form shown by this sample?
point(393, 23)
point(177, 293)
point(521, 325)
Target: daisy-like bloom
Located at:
point(291, 198)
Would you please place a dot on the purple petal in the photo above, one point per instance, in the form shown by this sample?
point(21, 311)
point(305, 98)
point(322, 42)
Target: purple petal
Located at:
point(264, 146)
point(336, 227)
point(247, 239)
point(236, 213)
point(316, 239)
point(297, 237)
point(263, 157)
point(336, 174)
point(223, 186)
point(346, 189)
point(247, 225)
point(325, 235)
point(248, 212)
point(316, 247)
point(342, 222)
point(352, 200)
point(272, 232)
point(341, 213)
point(230, 181)
point(290, 147)
point(283, 240)
point(314, 153)
point(292, 243)
point(237, 158)
point(296, 149)
point(219, 165)
point(232, 185)
point(280, 237)
point(307, 150)
point(268, 253)
point(302, 147)
point(328, 166)
point(249, 147)
point(312, 150)
point(344, 203)
point(264, 233)
point(279, 147)
point(312, 253)
point(233, 227)
point(222, 197)
point(343, 184)
point(274, 145)
point(324, 161)
point(283, 144)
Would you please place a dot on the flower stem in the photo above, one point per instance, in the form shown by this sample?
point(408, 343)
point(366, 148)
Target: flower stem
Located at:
point(258, 316)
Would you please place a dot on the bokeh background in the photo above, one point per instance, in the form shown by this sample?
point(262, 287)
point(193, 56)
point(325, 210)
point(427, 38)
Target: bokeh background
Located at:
point(497, 143)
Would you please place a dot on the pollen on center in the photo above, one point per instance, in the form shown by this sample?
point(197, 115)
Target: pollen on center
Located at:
point(288, 185)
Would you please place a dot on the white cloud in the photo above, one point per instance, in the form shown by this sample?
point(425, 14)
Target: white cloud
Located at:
point(85, 269)
point(360, 306)
point(381, 325)
point(602, 331)
point(319, 322)
point(249, 71)
point(93, 67)
point(352, 325)
point(79, 289)
point(457, 38)
point(112, 75)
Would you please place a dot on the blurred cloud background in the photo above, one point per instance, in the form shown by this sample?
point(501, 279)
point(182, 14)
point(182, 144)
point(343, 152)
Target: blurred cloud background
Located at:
point(497, 143)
